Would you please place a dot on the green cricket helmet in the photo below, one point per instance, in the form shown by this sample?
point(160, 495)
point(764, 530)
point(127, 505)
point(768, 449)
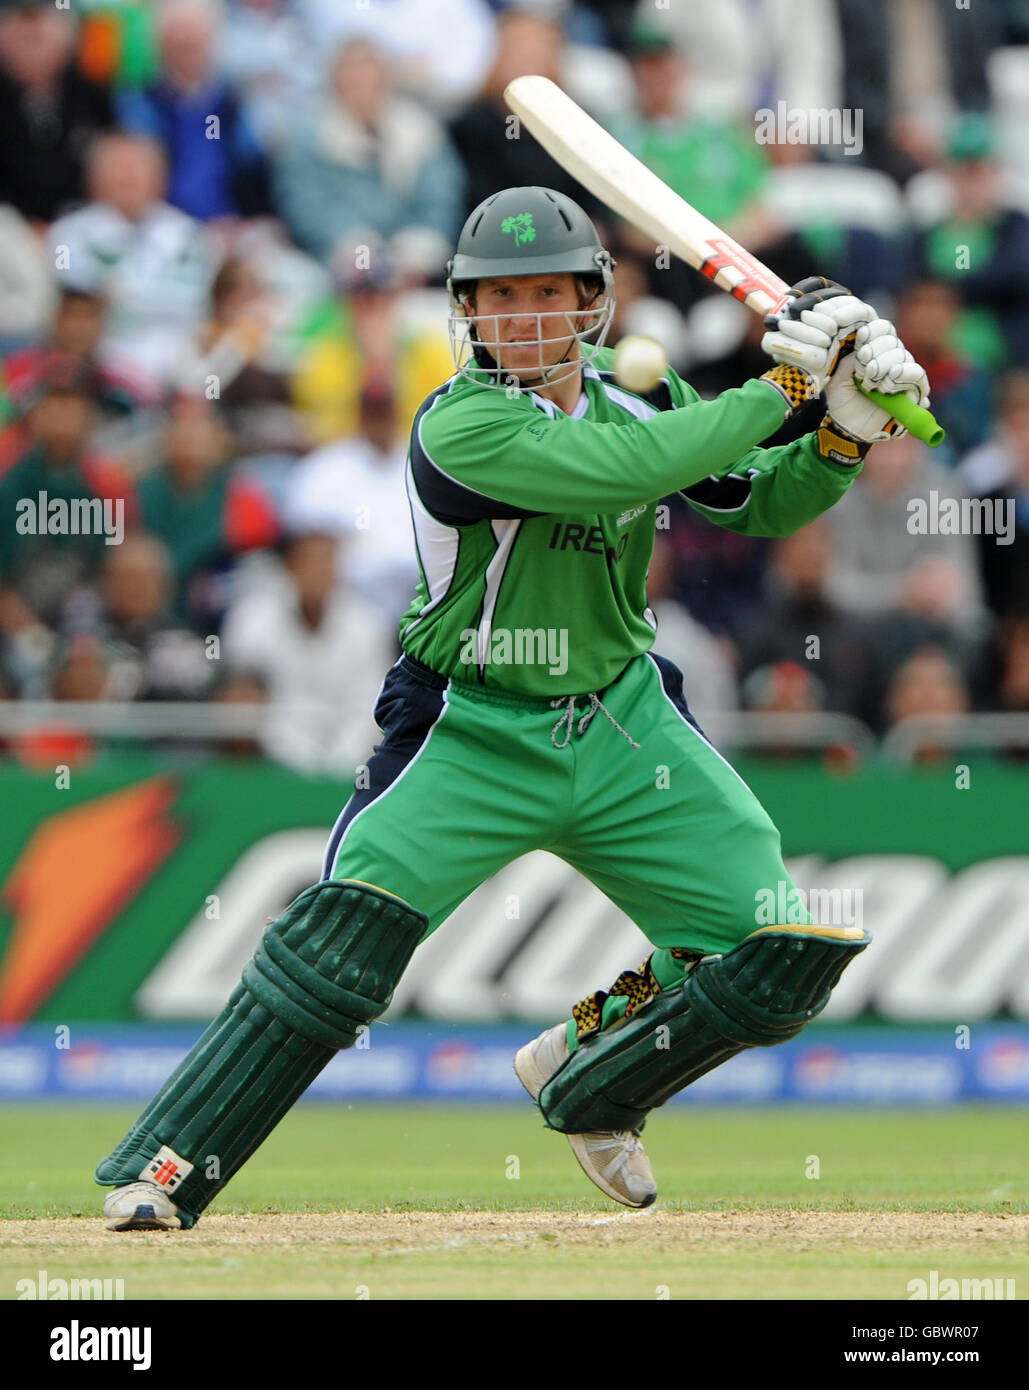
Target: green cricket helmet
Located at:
point(528, 231)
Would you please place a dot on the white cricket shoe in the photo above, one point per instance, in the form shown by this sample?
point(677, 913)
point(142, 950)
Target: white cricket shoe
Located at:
point(140, 1206)
point(616, 1161)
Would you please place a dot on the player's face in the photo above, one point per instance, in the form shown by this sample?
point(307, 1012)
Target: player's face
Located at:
point(528, 321)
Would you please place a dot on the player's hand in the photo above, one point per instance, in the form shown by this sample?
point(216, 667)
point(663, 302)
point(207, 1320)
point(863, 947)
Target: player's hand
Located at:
point(815, 328)
point(806, 294)
point(879, 362)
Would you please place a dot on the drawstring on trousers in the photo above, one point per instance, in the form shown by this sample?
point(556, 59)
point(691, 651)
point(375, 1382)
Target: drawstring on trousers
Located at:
point(568, 719)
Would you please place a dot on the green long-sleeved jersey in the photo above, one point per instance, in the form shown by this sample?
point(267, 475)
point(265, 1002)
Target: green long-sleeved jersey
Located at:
point(534, 529)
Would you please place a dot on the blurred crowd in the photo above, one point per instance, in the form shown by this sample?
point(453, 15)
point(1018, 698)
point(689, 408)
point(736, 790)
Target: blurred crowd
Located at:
point(223, 225)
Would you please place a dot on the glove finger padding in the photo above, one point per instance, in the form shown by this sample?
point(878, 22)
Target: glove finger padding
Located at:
point(861, 418)
point(845, 314)
point(797, 345)
point(816, 322)
point(894, 369)
point(886, 355)
point(905, 377)
point(815, 338)
point(813, 329)
point(871, 340)
point(805, 294)
point(874, 328)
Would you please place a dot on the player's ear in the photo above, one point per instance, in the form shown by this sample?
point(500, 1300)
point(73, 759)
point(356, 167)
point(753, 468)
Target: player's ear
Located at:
point(465, 295)
point(588, 291)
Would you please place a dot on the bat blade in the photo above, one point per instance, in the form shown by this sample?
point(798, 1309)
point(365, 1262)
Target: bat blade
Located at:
point(629, 188)
point(594, 157)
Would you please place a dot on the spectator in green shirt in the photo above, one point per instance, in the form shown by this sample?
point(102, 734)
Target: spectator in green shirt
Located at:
point(715, 164)
point(61, 506)
point(204, 511)
point(981, 246)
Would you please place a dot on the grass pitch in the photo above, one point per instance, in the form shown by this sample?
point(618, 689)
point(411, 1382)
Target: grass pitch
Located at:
point(482, 1202)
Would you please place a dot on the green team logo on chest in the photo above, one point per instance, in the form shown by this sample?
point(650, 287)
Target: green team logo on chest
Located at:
point(521, 226)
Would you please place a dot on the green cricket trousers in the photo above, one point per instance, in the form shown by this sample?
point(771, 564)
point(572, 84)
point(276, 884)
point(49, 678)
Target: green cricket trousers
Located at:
point(467, 779)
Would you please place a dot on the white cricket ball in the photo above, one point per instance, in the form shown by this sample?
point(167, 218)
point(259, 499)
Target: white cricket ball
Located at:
point(639, 363)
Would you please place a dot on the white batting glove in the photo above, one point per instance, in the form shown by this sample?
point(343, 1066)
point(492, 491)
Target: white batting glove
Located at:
point(879, 362)
point(814, 340)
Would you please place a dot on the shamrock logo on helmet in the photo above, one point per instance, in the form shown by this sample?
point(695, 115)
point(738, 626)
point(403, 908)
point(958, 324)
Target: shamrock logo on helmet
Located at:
point(521, 226)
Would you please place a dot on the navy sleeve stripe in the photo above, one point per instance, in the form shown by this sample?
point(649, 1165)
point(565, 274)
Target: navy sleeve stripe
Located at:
point(444, 497)
point(660, 397)
point(726, 494)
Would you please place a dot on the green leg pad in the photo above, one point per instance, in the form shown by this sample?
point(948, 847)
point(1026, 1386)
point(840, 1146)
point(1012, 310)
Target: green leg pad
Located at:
point(324, 970)
point(761, 993)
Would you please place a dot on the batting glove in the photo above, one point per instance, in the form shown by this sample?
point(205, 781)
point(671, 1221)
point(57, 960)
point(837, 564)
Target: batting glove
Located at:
point(815, 327)
point(880, 362)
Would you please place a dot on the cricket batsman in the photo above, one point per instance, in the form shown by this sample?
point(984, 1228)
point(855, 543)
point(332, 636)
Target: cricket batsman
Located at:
point(533, 480)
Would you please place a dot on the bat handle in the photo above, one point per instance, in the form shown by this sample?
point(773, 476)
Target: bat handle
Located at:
point(915, 419)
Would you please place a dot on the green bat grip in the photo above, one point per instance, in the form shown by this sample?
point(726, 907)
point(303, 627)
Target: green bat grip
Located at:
point(916, 420)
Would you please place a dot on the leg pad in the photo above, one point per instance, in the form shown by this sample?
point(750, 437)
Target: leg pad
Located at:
point(759, 994)
point(324, 970)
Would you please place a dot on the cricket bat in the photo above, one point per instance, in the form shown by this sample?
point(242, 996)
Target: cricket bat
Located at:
point(594, 157)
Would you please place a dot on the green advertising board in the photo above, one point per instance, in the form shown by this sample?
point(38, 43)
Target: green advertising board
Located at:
point(136, 887)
